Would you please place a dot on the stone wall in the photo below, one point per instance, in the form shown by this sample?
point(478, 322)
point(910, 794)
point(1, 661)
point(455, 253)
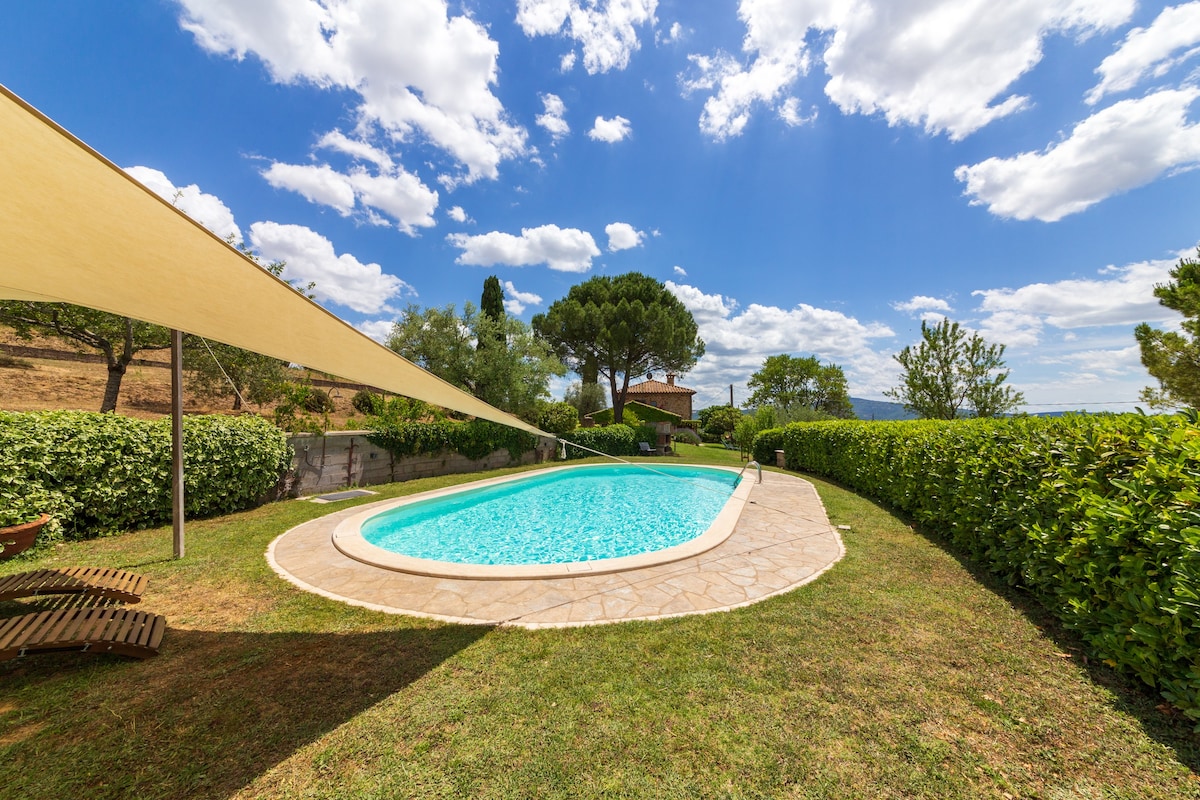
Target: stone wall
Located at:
point(341, 459)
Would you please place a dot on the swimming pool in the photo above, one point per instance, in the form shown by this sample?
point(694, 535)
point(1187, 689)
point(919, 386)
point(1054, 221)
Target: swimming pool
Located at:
point(560, 521)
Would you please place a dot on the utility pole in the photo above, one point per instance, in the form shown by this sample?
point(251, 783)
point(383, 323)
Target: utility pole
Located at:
point(731, 405)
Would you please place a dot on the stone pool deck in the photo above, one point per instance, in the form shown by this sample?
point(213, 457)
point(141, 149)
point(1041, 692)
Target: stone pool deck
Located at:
point(782, 540)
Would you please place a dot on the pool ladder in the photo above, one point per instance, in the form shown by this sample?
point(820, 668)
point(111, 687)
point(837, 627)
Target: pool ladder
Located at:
point(752, 464)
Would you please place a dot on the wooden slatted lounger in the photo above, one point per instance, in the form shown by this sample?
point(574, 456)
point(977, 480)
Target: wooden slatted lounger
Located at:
point(106, 582)
point(120, 631)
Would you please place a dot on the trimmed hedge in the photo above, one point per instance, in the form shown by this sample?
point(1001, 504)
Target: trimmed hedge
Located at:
point(615, 440)
point(97, 473)
point(644, 412)
point(475, 439)
point(1098, 516)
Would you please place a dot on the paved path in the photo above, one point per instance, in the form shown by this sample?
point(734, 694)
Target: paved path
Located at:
point(782, 540)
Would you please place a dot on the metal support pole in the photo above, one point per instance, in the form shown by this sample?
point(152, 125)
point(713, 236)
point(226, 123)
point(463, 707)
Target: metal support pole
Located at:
point(177, 439)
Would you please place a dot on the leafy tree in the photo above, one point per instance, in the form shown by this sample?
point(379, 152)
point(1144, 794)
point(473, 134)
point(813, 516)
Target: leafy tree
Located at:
point(221, 370)
point(512, 377)
point(623, 326)
point(1174, 358)
point(585, 397)
point(790, 383)
point(491, 304)
point(948, 372)
point(119, 338)
point(717, 421)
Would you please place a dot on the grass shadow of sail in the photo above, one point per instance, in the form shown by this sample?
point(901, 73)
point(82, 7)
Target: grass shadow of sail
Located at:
point(206, 717)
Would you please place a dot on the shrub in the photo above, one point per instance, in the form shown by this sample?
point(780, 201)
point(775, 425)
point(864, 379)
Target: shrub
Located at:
point(318, 401)
point(613, 440)
point(1099, 517)
point(367, 403)
point(686, 435)
point(97, 473)
point(476, 439)
point(558, 418)
point(640, 411)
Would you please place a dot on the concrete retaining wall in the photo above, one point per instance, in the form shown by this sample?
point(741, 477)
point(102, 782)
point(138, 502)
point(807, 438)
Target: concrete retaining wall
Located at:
point(340, 459)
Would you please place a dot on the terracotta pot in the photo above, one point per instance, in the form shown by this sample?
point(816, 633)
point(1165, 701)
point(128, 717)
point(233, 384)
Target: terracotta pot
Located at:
point(16, 538)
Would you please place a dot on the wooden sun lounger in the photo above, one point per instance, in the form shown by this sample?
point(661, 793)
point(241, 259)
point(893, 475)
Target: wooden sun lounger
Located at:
point(120, 631)
point(111, 584)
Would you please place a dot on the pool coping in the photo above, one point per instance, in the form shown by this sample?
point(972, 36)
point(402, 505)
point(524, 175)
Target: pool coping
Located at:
point(348, 539)
point(782, 541)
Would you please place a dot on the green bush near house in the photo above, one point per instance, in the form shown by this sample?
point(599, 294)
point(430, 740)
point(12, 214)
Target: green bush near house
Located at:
point(97, 473)
point(1098, 516)
point(613, 440)
point(645, 413)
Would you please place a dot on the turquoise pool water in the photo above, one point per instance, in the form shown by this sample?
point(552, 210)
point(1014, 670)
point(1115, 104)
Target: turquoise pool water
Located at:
point(564, 516)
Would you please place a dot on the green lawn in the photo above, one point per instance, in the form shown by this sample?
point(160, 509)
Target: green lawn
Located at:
point(899, 673)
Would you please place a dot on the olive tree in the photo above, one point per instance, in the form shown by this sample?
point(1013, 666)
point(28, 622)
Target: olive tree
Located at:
point(949, 372)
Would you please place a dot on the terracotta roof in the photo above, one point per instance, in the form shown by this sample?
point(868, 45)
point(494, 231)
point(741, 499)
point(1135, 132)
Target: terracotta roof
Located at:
point(658, 387)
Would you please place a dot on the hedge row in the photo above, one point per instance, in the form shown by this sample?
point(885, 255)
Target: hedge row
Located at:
point(615, 440)
point(476, 439)
point(96, 473)
point(1098, 516)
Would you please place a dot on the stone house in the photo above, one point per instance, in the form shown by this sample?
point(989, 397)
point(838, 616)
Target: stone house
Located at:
point(667, 396)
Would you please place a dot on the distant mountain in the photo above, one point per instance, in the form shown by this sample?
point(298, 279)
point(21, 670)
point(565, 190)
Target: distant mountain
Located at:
point(879, 409)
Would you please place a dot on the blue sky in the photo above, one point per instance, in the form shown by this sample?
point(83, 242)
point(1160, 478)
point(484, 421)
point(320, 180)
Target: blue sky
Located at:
point(810, 177)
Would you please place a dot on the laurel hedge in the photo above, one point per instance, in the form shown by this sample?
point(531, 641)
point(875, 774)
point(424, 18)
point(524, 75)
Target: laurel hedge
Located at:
point(475, 439)
point(1098, 516)
point(98, 473)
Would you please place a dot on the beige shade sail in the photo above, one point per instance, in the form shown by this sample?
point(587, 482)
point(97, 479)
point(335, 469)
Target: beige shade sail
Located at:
point(75, 228)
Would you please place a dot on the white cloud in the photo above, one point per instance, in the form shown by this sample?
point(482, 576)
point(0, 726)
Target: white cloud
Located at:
point(607, 32)
point(207, 209)
point(922, 302)
point(1150, 51)
point(357, 149)
point(553, 120)
point(623, 236)
point(414, 68)
point(320, 184)
point(1121, 147)
point(738, 341)
point(567, 63)
point(377, 329)
point(942, 64)
point(398, 193)
point(516, 301)
point(457, 214)
point(1124, 296)
point(562, 249)
point(680, 271)
point(673, 34)
point(789, 112)
point(610, 130)
point(341, 279)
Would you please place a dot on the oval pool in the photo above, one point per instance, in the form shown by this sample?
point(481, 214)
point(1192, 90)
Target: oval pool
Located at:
point(561, 521)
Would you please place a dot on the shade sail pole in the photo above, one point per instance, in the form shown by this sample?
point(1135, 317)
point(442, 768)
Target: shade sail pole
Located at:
point(177, 440)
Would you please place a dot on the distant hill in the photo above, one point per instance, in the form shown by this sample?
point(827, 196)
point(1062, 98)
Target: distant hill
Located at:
point(879, 409)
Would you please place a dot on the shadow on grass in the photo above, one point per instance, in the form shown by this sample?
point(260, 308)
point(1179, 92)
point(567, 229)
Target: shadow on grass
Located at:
point(1170, 729)
point(211, 713)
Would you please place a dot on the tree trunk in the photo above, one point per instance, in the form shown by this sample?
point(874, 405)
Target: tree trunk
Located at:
point(618, 399)
point(112, 388)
